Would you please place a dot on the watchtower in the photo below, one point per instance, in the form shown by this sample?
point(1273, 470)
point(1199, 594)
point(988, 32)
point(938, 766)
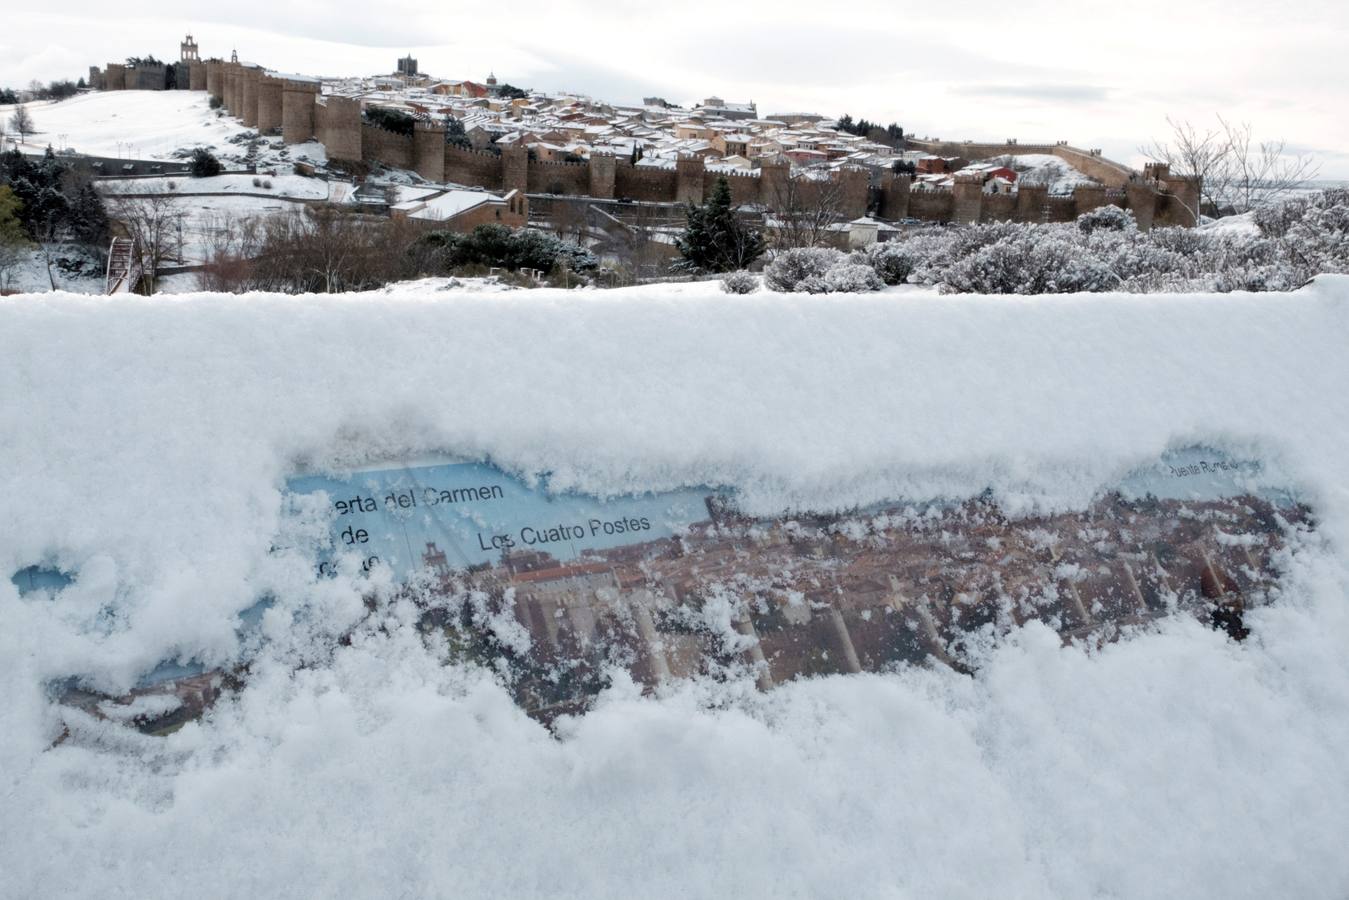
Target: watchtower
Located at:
point(603, 172)
point(428, 150)
point(969, 198)
point(689, 172)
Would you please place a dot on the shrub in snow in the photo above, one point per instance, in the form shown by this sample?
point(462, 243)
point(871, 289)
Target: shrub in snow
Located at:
point(1036, 261)
point(940, 249)
point(893, 261)
point(791, 267)
point(741, 282)
point(204, 164)
point(845, 278)
point(497, 245)
point(1312, 232)
point(1106, 218)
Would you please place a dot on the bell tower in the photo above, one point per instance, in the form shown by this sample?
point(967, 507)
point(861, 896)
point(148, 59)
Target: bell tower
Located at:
point(188, 50)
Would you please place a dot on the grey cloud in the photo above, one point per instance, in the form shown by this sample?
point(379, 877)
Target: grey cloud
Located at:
point(1064, 93)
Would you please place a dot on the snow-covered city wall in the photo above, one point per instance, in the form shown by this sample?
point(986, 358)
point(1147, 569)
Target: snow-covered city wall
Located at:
point(146, 443)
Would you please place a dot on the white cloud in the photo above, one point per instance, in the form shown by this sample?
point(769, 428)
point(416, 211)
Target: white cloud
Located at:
point(1101, 76)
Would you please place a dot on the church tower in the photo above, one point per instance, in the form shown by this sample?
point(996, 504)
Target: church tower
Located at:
point(188, 50)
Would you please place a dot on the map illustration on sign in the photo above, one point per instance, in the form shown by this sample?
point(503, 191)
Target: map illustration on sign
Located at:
point(553, 591)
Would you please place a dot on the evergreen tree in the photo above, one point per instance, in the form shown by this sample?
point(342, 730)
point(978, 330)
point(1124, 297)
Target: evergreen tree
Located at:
point(715, 240)
point(55, 202)
point(87, 219)
point(11, 225)
point(204, 163)
point(454, 132)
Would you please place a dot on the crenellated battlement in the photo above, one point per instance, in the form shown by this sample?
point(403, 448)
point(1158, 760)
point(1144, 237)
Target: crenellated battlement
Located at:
point(296, 107)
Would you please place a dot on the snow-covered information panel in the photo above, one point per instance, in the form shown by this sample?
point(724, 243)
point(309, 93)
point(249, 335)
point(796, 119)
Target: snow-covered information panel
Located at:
point(679, 584)
point(553, 591)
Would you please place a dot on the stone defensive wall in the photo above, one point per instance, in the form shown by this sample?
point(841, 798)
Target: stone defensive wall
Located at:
point(1154, 196)
point(295, 107)
point(571, 178)
point(381, 146)
point(473, 168)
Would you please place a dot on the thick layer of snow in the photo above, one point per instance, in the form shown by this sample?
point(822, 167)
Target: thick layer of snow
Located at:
point(146, 442)
point(132, 124)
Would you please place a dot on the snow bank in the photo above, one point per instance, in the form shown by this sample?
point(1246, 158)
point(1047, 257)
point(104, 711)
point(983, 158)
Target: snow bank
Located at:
point(146, 442)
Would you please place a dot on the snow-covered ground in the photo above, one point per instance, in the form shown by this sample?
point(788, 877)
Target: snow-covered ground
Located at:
point(147, 441)
point(153, 125)
point(73, 269)
point(134, 124)
point(291, 187)
point(1044, 168)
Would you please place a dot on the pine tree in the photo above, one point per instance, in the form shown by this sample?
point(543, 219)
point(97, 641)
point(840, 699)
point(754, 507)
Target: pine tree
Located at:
point(714, 240)
point(11, 226)
point(204, 163)
point(88, 220)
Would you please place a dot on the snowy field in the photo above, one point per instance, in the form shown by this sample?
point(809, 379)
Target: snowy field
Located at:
point(147, 441)
point(161, 125)
point(134, 124)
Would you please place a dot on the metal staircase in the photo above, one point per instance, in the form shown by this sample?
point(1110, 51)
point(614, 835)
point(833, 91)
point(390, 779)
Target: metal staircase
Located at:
point(124, 270)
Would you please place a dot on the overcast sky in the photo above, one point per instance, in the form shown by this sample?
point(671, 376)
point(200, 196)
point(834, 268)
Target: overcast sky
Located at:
point(1098, 75)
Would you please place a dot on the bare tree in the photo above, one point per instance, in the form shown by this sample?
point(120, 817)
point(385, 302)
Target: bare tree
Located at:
point(803, 210)
point(569, 220)
point(1262, 172)
point(230, 246)
point(1237, 172)
point(330, 250)
point(154, 223)
point(22, 122)
point(12, 256)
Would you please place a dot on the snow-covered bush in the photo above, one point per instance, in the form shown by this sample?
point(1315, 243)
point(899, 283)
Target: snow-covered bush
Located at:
point(1312, 232)
point(1037, 261)
point(893, 261)
point(821, 270)
point(1106, 218)
point(1102, 250)
point(791, 267)
point(740, 282)
point(845, 278)
point(937, 250)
